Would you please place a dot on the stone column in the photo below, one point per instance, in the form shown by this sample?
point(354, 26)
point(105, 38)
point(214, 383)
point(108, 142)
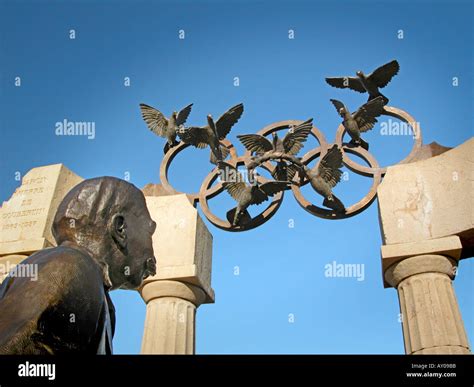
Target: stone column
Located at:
point(431, 319)
point(183, 250)
point(170, 317)
point(425, 210)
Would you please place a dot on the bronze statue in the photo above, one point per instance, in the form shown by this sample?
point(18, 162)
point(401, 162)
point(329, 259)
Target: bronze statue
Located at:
point(324, 177)
point(291, 144)
point(280, 157)
point(368, 83)
point(362, 120)
point(246, 194)
point(103, 231)
point(277, 149)
point(162, 126)
point(211, 134)
point(285, 171)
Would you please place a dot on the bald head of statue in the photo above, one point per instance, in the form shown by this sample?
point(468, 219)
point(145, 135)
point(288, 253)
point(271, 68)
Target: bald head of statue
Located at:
point(108, 218)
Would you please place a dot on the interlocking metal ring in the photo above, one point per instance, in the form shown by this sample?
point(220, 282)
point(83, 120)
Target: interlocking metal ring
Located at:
point(371, 171)
point(353, 209)
point(209, 189)
point(206, 193)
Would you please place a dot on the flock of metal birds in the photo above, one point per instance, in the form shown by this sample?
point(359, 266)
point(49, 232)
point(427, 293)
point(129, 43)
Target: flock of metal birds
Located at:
point(322, 178)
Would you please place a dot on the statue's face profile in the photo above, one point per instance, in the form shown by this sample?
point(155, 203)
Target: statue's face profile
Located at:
point(132, 231)
point(112, 223)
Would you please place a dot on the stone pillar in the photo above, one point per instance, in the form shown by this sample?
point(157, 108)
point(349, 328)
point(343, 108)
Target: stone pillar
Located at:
point(425, 210)
point(431, 319)
point(170, 317)
point(183, 250)
point(26, 218)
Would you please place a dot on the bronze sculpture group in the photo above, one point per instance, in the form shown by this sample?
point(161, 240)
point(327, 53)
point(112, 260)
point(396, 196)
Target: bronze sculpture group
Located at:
point(278, 156)
point(104, 231)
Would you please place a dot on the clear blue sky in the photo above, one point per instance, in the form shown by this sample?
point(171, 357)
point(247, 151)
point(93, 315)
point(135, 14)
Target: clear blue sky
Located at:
point(281, 268)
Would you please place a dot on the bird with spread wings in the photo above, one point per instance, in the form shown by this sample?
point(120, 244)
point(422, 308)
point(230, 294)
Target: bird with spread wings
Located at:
point(371, 83)
point(246, 194)
point(325, 176)
point(212, 133)
point(278, 149)
point(360, 121)
point(162, 126)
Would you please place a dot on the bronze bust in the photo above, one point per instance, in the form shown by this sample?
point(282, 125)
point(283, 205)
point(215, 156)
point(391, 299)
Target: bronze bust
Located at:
point(103, 230)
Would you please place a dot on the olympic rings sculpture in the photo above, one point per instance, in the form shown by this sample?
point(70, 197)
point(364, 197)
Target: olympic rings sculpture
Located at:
point(213, 186)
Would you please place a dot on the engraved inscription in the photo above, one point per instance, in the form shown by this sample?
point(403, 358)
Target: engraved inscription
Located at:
point(22, 225)
point(17, 214)
point(29, 191)
point(34, 180)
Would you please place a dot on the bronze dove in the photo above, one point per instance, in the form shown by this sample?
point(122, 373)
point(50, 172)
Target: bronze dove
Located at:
point(246, 194)
point(162, 126)
point(211, 134)
point(361, 121)
point(264, 149)
point(291, 144)
point(368, 83)
point(285, 171)
point(324, 177)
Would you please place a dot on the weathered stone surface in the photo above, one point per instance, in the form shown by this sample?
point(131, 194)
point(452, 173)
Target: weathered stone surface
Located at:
point(170, 324)
point(155, 190)
point(152, 189)
point(430, 199)
point(26, 218)
point(183, 251)
point(182, 243)
point(427, 219)
point(431, 319)
point(427, 151)
point(448, 246)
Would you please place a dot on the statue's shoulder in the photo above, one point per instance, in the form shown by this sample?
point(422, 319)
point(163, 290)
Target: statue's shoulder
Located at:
point(60, 256)
point(67, 265)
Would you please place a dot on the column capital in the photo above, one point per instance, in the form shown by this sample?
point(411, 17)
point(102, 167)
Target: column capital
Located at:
point(419, 264)
point(175, 289)
point(394, 254)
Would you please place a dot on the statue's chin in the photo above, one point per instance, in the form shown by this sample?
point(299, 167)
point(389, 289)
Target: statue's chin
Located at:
point(135, 280)
point(131, 283)
point(130, 286)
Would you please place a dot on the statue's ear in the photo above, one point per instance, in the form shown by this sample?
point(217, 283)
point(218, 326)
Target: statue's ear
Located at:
point(119, 230)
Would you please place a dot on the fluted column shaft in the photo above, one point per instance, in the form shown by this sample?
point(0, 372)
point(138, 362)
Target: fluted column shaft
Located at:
point(431, 319)
point(170, 317)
